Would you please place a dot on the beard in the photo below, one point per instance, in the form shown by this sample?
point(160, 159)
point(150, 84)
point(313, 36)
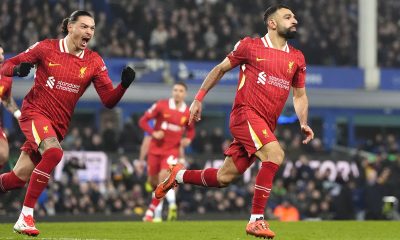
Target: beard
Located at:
point(287, 33)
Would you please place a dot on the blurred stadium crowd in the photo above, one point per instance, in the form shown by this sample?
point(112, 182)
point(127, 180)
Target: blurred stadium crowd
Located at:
point(201, 30)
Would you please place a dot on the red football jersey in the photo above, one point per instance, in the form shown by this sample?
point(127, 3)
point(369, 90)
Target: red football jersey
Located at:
point(265, 76)
point(60, 80)
point(174, 123)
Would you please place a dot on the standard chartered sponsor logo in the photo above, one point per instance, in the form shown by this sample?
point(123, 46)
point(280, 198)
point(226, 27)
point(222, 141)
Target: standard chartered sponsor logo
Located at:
point(50, 82)
point(278, 82)
point(262, 78)
point(69, 87)
point(274, 81)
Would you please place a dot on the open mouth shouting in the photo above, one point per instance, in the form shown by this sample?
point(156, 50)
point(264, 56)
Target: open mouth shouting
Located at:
point(84, 42)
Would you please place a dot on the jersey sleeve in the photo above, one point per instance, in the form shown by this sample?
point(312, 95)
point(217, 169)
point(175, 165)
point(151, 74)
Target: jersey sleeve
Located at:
point(109, 95)
point(239, 53)
point(32, 55)
point(151, 113)
point(299, 78)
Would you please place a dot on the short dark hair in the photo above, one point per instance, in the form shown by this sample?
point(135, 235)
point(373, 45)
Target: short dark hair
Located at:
point(73, 18)
point(182, 84)
point(272, 9)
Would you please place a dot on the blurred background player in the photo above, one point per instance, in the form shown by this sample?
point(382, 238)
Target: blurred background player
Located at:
point(65, 68)
point(9, 103)
point(171, 121)
point(269, 67)
point(144, 148)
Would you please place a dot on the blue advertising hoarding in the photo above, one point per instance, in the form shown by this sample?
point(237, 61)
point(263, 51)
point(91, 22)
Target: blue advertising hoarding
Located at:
point(194, 72)
point(335, 77)
point(390, 79)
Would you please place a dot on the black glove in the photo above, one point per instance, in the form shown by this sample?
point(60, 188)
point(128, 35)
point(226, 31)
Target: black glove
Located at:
point(23, 69)
point(127, 77)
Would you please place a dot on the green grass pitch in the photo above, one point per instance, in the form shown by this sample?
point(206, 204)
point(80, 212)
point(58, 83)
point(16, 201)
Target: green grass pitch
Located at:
point(188, 230)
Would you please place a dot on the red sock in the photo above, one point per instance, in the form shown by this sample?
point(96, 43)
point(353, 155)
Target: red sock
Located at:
point(154, 203)
point(41, 175)
point(206, 177)
point(263, 186)
point(9, 181)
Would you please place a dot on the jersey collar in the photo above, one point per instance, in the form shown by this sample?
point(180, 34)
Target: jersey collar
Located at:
point(172, 105)
point(268, 44)
point(64, 48)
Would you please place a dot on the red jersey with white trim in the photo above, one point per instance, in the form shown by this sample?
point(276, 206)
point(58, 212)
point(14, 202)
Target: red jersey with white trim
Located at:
point(266, 75)
point(174, 123)
point(60, 80)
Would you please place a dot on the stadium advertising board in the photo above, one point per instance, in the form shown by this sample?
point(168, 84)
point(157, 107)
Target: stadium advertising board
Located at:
point(342, 168)
point(390, 79)
point(89, 166)
point(194, 72)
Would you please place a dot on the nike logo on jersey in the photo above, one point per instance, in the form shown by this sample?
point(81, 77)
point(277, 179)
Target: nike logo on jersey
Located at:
point(54, 64)
point(260, 59)
point(40, 181)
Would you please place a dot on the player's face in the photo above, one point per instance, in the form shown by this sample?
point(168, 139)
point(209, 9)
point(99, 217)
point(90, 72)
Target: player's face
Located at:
point(1, 55)
point(82, 31)
point(178, 93)
point(286, 23)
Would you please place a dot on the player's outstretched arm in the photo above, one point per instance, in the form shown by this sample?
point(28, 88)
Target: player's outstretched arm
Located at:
point(22, 69)
point(21, 64)
point(216, 74)
point(13, 67)
point(300, 103)
point(109, 95)
point(209, 82)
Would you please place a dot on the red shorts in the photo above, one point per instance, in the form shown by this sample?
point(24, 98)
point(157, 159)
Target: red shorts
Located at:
point(156, 162)
point(250, 133)
point(3, 134)
point(36, 128)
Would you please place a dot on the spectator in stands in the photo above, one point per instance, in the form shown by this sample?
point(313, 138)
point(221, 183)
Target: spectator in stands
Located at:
point(286, 212)
point(110, 134)
point(192, 26)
